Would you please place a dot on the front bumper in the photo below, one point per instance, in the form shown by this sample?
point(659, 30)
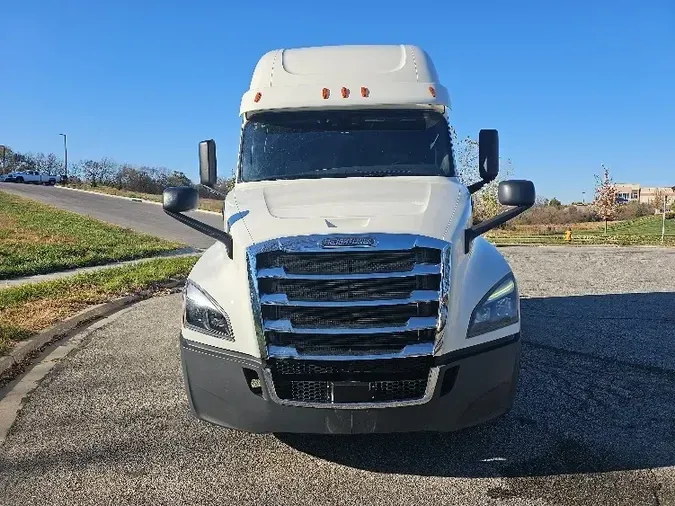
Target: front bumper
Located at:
point(474, 385)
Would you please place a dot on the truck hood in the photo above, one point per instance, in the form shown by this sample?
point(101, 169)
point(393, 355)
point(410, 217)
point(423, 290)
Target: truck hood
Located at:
point(430, 206)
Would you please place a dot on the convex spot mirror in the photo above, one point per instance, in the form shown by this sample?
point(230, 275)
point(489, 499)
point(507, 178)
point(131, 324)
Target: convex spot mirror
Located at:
point(179, 199)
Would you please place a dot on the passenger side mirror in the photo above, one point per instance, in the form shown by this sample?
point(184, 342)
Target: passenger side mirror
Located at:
point(488, 154)
point(179, 199)
point(208, 170)
point(519, 194)
point(516, 192)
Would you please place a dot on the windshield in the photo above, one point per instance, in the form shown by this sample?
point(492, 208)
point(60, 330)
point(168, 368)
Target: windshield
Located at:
point(318, 144)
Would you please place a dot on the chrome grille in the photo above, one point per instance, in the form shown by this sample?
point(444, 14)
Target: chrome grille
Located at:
point(344, 304)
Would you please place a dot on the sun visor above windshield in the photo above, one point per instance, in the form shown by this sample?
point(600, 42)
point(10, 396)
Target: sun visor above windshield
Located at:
point(344, 76)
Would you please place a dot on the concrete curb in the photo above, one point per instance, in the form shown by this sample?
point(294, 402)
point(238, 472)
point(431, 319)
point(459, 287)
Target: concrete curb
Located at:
point(133, 199)
point(21, 355)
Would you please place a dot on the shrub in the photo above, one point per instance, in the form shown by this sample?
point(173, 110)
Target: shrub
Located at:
point(552, 215)
point(633, 210)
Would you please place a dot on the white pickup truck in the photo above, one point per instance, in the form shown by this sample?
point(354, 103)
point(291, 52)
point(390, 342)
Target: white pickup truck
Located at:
point(348, 291)
point(32, 176)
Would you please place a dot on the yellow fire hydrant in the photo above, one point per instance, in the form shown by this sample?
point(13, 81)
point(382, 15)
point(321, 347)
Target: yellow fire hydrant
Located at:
point(568, 235)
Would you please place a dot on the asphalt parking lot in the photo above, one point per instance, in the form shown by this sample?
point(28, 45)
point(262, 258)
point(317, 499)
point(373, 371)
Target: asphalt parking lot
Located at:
point(593, 423)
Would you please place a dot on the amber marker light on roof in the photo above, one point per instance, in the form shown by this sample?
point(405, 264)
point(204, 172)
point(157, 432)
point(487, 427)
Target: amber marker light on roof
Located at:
point(345, 92)
point(325, 93)
point(257, 97)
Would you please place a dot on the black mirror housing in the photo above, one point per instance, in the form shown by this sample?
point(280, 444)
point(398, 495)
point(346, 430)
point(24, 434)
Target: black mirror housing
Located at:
point(516, 192)
point(179, 199)
point(208, 165)
point(488, 154)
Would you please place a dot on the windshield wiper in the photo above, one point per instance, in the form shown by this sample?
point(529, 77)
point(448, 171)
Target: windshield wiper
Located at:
point(356, 171)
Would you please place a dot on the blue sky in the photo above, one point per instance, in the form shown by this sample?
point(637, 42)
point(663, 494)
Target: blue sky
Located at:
point(569, 85)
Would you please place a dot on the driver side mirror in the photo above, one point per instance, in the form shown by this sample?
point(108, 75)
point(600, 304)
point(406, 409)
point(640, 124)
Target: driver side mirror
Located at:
point(179, 199)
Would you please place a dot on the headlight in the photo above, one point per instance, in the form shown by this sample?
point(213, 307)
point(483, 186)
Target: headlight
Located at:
point(499, 308)
point(202, 313)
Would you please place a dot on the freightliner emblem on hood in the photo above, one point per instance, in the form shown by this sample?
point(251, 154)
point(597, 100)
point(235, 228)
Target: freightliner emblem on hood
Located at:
point(349, 242)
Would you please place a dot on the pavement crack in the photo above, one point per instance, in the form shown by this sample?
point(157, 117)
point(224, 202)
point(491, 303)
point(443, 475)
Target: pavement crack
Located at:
point(656, 488)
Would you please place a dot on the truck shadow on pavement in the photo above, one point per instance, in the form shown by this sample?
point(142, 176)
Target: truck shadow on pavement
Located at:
point(596, 394)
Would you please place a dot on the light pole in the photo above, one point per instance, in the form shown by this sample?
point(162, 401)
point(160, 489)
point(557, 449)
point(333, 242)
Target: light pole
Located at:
point(583, 197)
point(65, 156)
point(663, 221)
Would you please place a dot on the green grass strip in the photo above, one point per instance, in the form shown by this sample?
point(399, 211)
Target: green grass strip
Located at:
point(37, 238)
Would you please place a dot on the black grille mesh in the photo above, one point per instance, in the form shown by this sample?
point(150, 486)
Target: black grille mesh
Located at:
point(348, 262)
point(345, 289)
point(360, 342)
point(344, 370)
point(380, 316)
point(380, 391)
point(305, 391)
point(387, 380)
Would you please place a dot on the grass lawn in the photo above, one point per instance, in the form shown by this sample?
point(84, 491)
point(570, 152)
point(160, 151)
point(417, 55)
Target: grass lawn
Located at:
point(27, 309)
point(205, 204)
point(640, 231)
point(37, 238)
point(648, 225)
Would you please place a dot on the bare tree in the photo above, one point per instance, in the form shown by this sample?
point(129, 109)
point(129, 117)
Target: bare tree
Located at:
point(46, 163)
point(108, 168)
point(90, 171)
point(659, 197)
point(34, 161)
point(23, 161)
point(6, 158)
point(53, 165)
point(605, 202)
point(98, 171)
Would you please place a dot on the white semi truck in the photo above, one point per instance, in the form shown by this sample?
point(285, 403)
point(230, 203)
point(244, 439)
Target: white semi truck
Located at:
point(348, 291)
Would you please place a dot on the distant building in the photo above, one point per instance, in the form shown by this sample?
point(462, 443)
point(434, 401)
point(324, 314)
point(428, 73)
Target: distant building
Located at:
point(629, 192)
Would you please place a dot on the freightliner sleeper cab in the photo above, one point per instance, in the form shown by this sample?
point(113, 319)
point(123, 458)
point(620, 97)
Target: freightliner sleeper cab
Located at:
point(348, 290)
